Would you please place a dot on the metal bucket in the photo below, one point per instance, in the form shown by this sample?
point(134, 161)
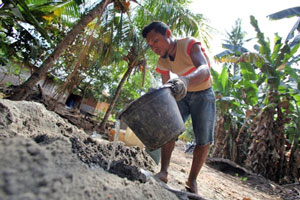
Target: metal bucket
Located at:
point(154, 118)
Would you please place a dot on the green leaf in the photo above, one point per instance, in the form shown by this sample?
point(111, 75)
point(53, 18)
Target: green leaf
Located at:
point(271, 105)
point(17, 70)
point(264, 49)
point(276, 48)
point(297, 99)
point(224, 80)
point(248, 71)
point(17, 13)
point(292, 73)
point(292, 52)
point(251, 92)
point(290, 12)
point(216, 83)
point(32, 20)
point(245, 178)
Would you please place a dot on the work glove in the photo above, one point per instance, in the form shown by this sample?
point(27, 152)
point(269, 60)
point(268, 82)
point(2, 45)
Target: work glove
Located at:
point(179, 87)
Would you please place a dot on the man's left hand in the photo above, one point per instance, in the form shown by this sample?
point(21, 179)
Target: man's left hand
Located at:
point(179, 87)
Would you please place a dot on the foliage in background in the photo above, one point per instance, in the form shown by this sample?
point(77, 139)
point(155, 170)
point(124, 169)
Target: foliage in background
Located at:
point(188, 134)
point(235, 94)
point(268, 87)
point(257, 92)
point(27, 31)
point(110, 42)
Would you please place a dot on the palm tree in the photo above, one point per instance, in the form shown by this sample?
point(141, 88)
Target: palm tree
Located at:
point(122, 36)
point(174, 13)
point(31, 24)
point(22, 91)
point(177, 15)
point(126, 37)
point(234, 45)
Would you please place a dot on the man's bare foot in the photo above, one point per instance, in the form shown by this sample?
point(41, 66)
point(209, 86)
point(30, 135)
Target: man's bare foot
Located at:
point(162, 176)
point(192, 187)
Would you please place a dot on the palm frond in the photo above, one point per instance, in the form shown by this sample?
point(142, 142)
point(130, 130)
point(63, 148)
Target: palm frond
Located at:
point(295, 41)
point(286, 13)
point(292, 31)
point(28, 17)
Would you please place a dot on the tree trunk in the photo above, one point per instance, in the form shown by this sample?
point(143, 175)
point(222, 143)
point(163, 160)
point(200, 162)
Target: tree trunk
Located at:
point(113, 102)
point(22, 91)
point(221, 147)
point(74, 76)
point(266, 154)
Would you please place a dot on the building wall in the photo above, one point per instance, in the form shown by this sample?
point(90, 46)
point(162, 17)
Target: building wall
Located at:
point(87, 109)
point(89, 102)
point(102, 106)
point(47, 84)
point(49, 87)
point(91, 106)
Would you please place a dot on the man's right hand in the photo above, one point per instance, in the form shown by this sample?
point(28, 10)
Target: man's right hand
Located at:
point(179, 87)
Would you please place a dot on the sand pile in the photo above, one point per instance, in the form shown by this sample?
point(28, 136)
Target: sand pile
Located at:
point(45, 157)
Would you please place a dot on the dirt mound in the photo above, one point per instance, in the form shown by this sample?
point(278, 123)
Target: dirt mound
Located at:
point(31, 119)
point(45, 157)
point(127, 161)
point(32, 171)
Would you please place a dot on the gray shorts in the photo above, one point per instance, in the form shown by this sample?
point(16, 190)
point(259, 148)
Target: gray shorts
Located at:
point(202, 108)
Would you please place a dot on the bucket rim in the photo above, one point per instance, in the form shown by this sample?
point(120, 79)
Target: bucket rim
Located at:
point(141, 98)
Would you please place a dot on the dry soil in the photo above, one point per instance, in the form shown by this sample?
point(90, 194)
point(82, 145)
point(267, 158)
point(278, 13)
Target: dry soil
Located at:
point(45, 157)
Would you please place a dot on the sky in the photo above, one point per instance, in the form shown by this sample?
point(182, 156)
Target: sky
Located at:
point(222, 15)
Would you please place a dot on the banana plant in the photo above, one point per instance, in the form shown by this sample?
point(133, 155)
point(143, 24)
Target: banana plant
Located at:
point(231, 107)
point(234, 46)
point(288, 13)
point(267, 151)
point(292, 101)
point(270, 82)
point(236, 93)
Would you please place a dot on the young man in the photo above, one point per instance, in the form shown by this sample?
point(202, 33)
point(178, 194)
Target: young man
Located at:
point(192, 90)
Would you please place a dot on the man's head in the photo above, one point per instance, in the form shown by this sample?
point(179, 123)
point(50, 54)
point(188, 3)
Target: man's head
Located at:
point(158, 36)
point(157, 26)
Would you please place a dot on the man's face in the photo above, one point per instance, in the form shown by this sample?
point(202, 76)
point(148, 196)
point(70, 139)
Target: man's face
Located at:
point(159, 43)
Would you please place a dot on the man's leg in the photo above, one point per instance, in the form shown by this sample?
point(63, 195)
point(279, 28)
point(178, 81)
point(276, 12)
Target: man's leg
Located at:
point(199, 157)
point(203, 112)
point(166, 152)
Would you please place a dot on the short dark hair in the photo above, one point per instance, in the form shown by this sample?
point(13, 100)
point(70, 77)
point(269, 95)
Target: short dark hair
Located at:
point(157, 26)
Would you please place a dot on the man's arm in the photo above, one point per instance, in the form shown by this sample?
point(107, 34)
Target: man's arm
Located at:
point(202, 73)
point(165, 78)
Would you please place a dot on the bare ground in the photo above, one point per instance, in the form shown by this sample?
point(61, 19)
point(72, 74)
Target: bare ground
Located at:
point(45, 157)
point(229, 183)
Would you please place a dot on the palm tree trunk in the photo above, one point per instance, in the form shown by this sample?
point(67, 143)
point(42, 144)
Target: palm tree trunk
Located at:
point(71, 79)
point(22, 91)
point(113, 102)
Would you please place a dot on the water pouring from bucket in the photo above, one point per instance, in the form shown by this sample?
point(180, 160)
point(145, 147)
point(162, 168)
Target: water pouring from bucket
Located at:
point(154, 117)
point(113, 152)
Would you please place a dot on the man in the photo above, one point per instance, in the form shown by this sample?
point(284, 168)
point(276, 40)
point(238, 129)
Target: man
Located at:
point(192, 90)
